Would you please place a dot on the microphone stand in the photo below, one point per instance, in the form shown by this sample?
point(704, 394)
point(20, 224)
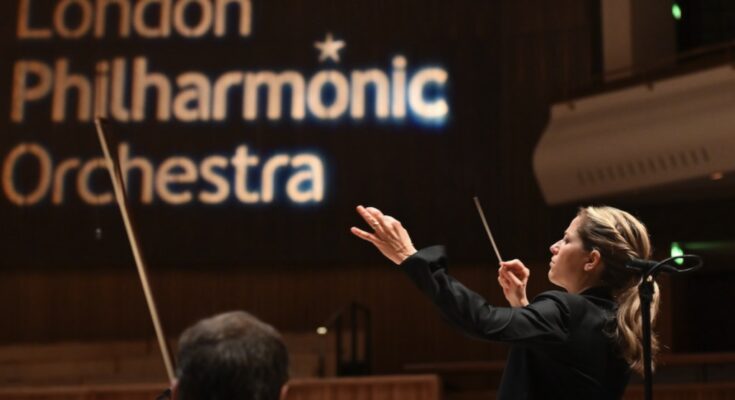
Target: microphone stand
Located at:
point(646, 291)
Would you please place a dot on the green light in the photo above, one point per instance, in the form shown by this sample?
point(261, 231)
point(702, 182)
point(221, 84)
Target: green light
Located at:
point(676, 250)
point(676, 11)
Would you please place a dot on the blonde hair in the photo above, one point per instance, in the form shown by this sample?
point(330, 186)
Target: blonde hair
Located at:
point(619, 236)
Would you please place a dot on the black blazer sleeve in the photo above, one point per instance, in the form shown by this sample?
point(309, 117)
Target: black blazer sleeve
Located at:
point(545, 320)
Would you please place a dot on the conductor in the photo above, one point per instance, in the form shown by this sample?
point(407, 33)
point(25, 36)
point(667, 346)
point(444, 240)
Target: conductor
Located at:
point(580, 343)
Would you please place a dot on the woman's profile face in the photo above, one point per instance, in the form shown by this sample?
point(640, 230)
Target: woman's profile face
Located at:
point(568, 258)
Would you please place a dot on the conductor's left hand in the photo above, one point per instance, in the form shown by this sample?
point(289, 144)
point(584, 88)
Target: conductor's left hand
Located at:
point(388, 234)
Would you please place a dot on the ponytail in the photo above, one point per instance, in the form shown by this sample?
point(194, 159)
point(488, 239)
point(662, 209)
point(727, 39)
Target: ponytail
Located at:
point(619, 237)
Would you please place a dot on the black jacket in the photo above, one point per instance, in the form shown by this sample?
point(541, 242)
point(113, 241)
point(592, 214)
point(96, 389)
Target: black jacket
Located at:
point(561, 342)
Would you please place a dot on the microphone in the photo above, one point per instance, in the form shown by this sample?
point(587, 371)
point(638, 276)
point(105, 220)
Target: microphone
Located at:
point(693, 262)
point(647, 265)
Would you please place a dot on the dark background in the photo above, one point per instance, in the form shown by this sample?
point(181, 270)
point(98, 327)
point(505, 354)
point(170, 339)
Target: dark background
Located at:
point(293, 266)
point(424, 175)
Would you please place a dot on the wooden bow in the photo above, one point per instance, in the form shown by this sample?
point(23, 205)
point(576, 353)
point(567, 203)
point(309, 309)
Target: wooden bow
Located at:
point(113, 167)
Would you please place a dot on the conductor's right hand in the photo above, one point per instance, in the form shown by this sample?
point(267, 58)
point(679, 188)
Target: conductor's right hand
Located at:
point(388, 234)
point(513, 278)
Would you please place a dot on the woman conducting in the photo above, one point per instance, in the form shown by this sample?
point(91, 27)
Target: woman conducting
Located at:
point(580, 343)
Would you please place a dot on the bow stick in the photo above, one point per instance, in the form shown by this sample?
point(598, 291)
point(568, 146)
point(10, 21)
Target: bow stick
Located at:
point(113, 167)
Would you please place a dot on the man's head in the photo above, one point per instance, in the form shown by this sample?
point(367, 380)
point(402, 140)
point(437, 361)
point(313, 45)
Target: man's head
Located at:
point(231, 356)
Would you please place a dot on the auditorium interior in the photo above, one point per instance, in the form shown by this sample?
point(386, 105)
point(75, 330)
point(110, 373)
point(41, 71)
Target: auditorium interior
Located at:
point(167, 160)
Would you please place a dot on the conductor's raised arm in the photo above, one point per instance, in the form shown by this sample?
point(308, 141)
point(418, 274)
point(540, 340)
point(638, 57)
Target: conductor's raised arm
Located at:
point(389, 236)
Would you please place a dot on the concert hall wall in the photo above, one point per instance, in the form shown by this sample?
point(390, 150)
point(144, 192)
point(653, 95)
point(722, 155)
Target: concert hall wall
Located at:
point(243, 201)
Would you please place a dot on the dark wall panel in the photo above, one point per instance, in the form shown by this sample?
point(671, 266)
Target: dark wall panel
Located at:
point(293, 266)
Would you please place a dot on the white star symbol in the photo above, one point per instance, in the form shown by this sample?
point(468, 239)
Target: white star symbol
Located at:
point(329, 48)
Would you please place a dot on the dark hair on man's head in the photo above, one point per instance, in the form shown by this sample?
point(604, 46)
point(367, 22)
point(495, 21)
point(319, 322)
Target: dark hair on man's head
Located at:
point(231, 356)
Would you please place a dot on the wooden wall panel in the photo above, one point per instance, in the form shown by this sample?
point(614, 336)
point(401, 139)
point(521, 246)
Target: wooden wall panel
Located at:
point(109, 305)
point(409, 387)
point(546, 47)
point(377, 390)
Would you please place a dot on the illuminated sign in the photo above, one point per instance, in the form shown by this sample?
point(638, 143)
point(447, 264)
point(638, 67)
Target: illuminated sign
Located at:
point(172, 180)
point(132, 89)
point(170, 17)
point(241, 126)
point(328, 94)
point(193, 97)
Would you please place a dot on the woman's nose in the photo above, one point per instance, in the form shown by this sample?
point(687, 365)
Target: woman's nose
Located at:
point(554, 248)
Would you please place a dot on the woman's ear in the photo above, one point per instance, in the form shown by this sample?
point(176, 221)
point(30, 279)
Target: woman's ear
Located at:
point(594, 260)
